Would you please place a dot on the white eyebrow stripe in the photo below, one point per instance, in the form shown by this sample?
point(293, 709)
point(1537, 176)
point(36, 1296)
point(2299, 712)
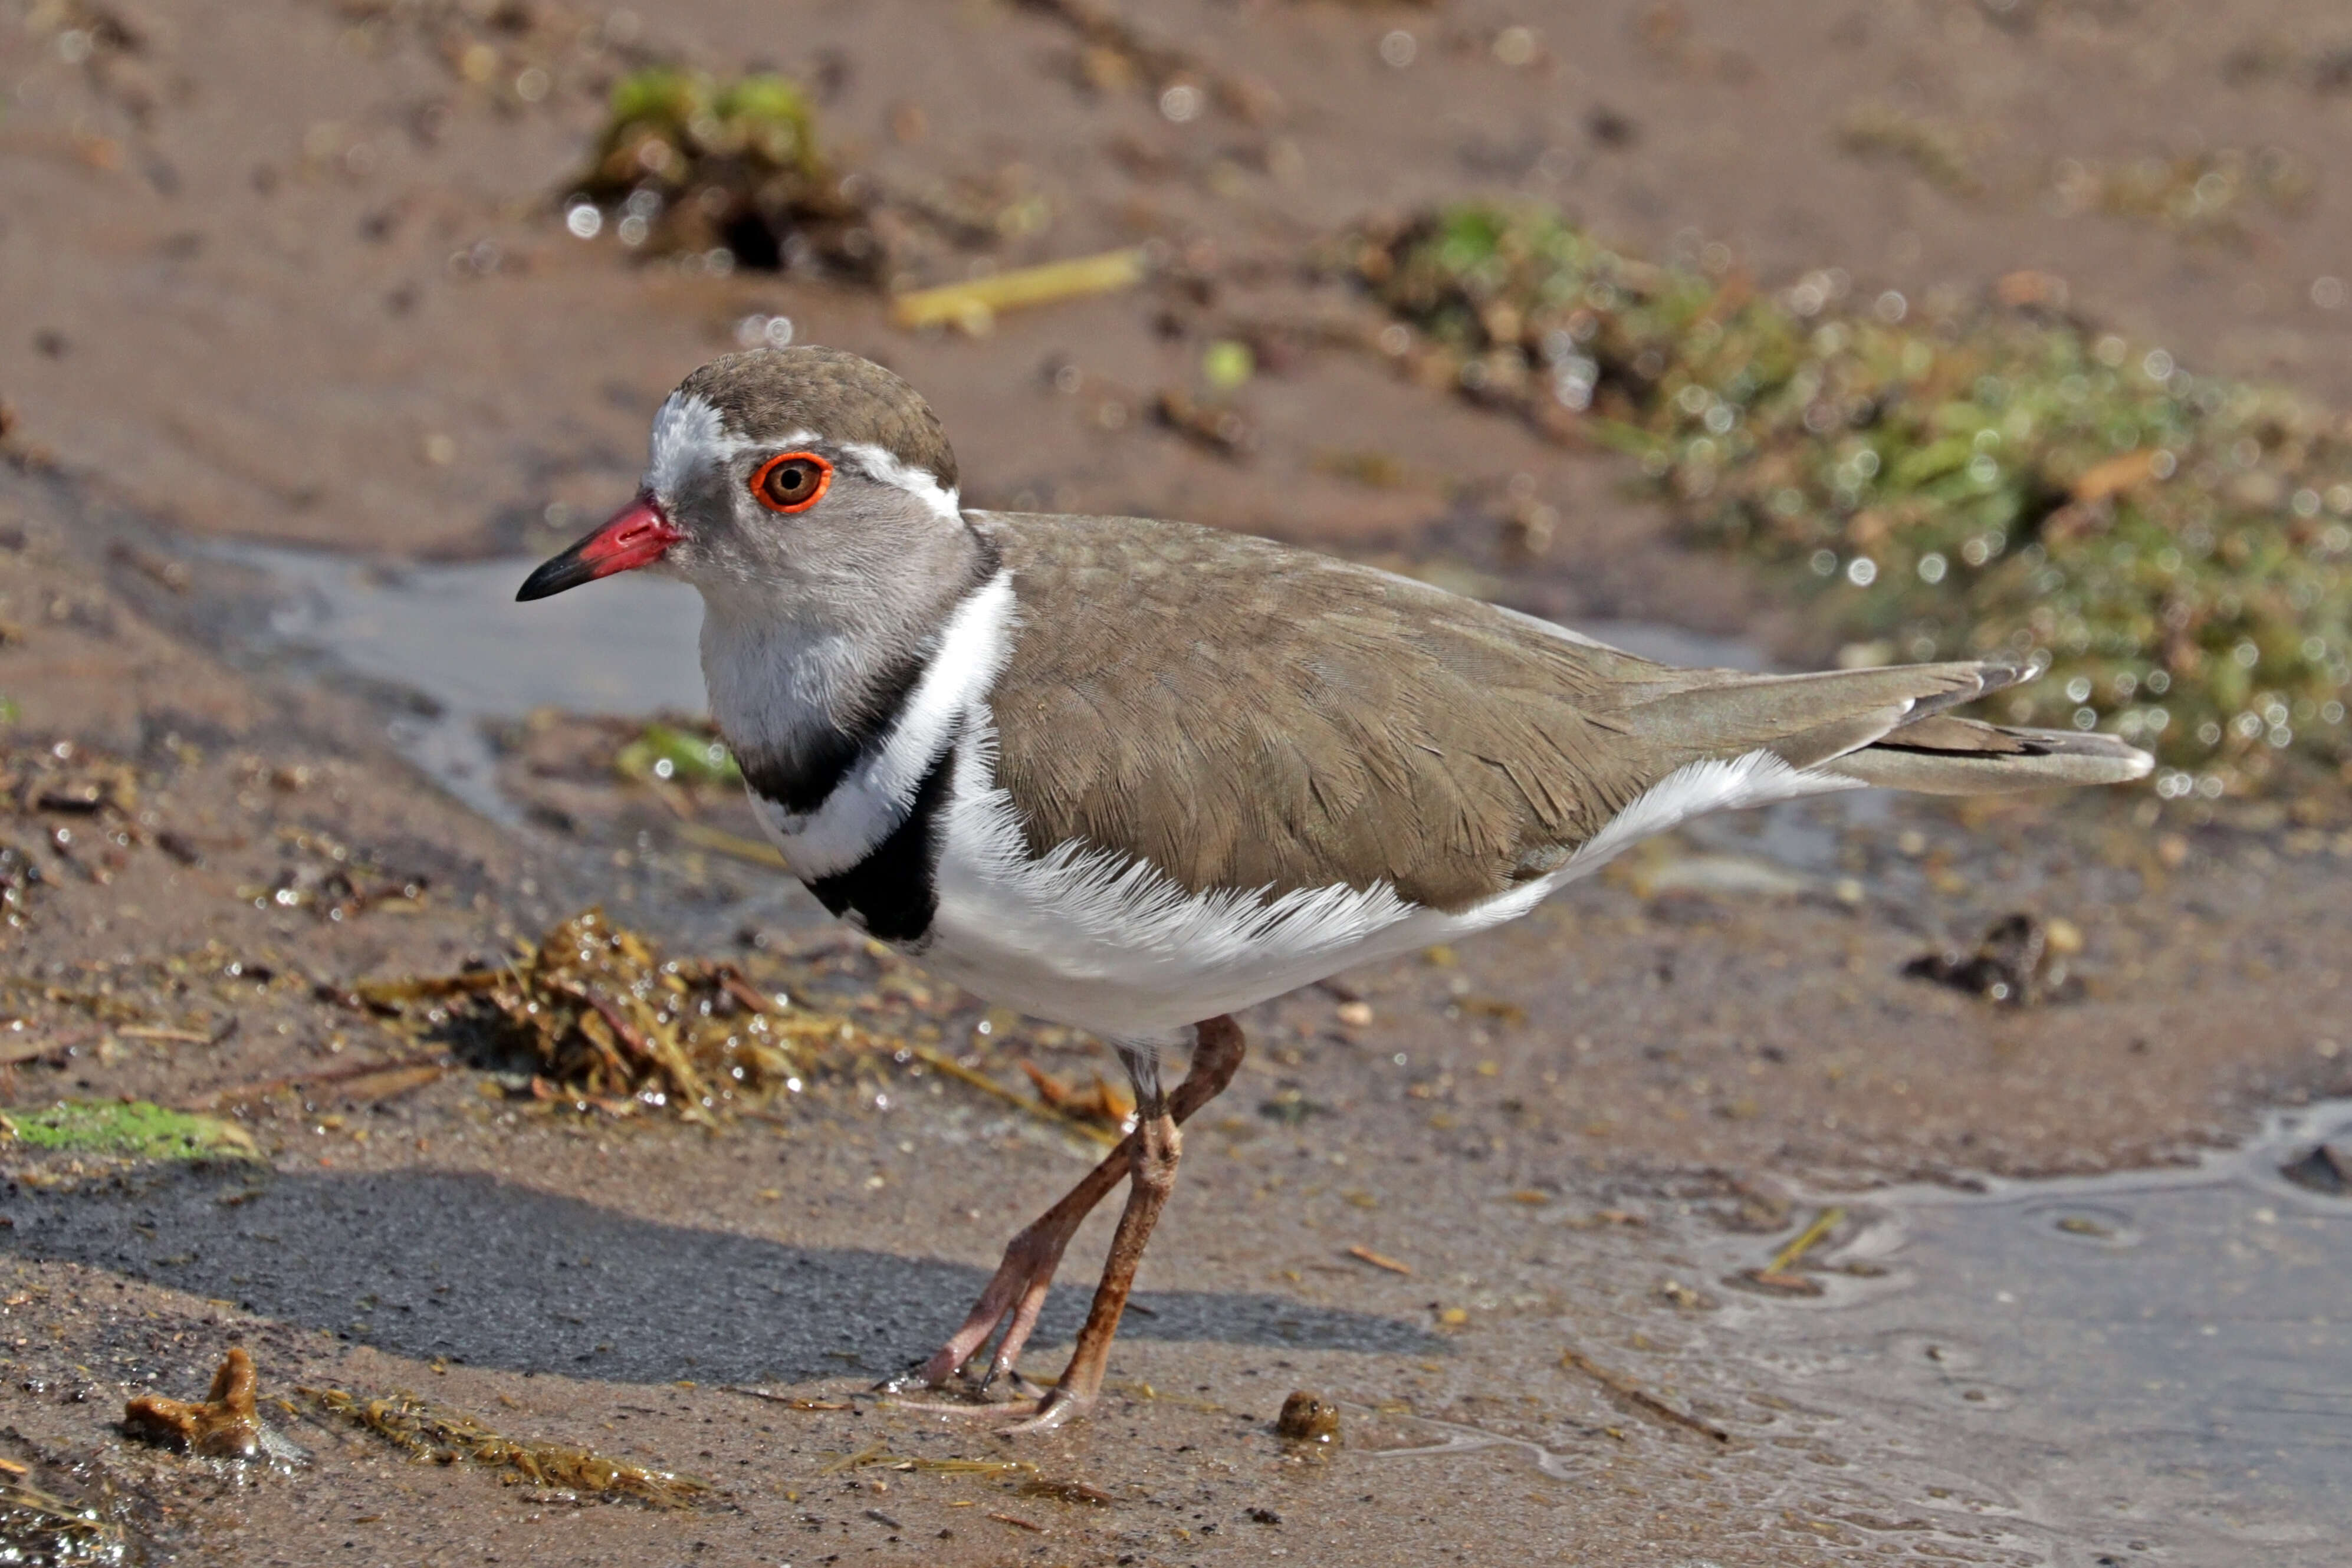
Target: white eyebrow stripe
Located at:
point(921, 483)
point(688, 433)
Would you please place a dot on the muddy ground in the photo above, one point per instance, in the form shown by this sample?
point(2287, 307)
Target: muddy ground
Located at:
point(283, 272)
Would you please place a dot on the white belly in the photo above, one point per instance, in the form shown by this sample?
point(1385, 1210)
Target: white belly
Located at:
point(1087, 937)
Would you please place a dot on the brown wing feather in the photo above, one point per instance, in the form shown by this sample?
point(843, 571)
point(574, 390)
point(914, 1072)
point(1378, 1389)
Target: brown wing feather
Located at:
point(1244, 715)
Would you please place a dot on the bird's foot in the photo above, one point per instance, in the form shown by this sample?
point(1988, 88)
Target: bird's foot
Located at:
point(1057, 1406)
point(958, 1395)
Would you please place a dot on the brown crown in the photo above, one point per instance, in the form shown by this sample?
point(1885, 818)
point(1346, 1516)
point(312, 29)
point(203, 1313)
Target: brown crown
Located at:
point(768, 394)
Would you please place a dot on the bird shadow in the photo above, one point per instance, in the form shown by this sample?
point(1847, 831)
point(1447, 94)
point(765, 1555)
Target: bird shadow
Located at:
point(467, 1268)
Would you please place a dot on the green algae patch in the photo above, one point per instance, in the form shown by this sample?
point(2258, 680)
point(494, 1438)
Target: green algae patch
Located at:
point(1953, 481)
point(137, 1130)
point(689, 162)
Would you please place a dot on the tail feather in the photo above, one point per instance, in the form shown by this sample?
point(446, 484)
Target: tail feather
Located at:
point(1890, 727)
point(1941, 755)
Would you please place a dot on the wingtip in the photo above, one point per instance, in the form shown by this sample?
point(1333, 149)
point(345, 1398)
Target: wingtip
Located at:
point(2092, 757)
point(2000, 675)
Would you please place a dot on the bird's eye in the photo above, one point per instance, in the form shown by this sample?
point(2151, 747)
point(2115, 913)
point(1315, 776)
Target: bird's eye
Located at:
point(791, 482)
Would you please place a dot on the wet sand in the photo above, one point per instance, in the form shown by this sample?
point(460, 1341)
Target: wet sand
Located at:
point(1571, 1132)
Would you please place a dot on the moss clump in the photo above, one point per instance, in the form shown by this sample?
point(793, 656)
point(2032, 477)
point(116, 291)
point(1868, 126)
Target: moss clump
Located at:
point(2000, 480)
point(687, 162)
point(136, 1130)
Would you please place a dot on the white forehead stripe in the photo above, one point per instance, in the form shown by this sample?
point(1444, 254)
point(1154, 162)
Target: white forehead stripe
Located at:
point(688, 434)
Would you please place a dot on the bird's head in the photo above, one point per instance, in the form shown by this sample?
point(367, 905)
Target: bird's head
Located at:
point(784, 482)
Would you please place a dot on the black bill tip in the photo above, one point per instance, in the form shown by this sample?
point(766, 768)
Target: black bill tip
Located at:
point(569, 569)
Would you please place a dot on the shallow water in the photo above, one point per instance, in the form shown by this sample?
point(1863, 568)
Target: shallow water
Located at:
point(2151, 1361)
point(453, 646)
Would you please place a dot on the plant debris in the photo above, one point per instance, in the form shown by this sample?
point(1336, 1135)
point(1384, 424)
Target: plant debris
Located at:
point(1938, 153)
point(607, 1022)
point(1114, 55)
point(520, 53)
point(1956, 482)
point(2325, 1167)
point(444, 1437)
point(973, 306)
point(688, 163)
point(86, 807)
point(878, 1455)
point(356, 1084)
point(735, 846)
point(1064, 1492)
point(789, 1401)
point(20, 873)
point(2021, 961)
point(1779, 1276)
point(1305, 1418)
point(1100, 1103)
point(2202, 195)
point(133, 1130)
point(1209, 422)
point(37, 1528)
point(1018, 1523)
point(223, 1424)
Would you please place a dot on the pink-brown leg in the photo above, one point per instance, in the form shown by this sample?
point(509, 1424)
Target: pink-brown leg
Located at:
point(1157, 1154)
point(1030, 1260)
point(1017, 1293)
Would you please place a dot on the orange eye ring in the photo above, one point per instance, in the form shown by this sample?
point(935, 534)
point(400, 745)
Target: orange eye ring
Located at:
point(792, 481)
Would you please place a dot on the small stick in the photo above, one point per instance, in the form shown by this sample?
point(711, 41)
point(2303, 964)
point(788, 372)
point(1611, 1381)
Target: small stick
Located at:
point(1806, 1241)
point(1378, 1260)
point(304, 1079)
point(1019, 1523)
point(732, 980)
point(734, 845)
point(982, 298)
point(789, 1401)
point(1640, 1397)
point(156, 1032)
point(876, 1453)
